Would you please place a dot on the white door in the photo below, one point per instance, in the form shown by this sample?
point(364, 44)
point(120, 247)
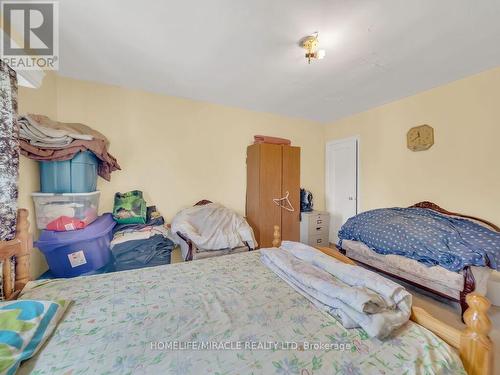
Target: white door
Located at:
point(341, 183)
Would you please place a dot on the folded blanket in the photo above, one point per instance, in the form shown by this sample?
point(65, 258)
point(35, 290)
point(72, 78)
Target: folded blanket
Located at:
point(355, 296)
point(43, 139)
point(309, 293)
point(350, 274)
point(153, 251)
point(45, 136)
point(133, 234)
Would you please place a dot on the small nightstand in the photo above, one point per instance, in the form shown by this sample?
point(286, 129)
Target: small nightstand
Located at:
point(314, 228)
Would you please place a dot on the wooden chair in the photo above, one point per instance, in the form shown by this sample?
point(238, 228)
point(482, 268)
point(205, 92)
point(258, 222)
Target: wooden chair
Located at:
point(194, 253)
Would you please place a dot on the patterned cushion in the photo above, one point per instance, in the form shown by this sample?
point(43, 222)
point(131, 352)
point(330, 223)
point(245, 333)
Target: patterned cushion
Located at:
point(24, 326)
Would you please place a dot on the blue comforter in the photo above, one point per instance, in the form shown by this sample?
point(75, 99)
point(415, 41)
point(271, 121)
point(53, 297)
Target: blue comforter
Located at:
point(426, 236)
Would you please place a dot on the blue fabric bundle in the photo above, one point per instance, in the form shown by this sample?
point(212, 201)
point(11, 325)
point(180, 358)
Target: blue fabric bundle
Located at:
point(426, 236)
point(151, 252)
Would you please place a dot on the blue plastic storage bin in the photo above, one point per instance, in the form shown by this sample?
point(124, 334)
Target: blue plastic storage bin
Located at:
point(108, 268)
point(78, 252)
point(78, 175)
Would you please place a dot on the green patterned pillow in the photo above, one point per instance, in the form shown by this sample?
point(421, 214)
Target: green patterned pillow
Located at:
point(24, 326)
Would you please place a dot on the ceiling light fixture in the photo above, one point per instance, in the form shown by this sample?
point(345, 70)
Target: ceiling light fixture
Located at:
point(310, 44)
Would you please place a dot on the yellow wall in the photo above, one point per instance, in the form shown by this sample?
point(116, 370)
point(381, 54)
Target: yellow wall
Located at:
point(460, 172)
point(42, 100)
point(177, 151)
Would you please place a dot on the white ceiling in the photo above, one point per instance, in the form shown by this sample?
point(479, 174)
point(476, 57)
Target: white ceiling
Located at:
point(244, 53)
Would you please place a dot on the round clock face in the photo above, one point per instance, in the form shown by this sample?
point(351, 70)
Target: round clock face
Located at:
point(420, 138)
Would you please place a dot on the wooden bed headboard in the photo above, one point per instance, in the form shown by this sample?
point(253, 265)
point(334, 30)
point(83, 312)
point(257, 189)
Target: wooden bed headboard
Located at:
point(435, 207)
point(20, 249)
point(473, 344)
point(202, 202)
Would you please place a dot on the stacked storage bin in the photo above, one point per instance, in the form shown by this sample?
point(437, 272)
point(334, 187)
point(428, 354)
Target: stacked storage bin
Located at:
point(74, 240)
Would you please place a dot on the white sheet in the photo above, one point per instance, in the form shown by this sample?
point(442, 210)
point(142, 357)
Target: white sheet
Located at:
point(214, 227)
point(436, 277)
point(358, 297)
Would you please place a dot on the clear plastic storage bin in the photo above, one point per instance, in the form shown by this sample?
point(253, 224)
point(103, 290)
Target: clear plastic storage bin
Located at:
point(76, 210)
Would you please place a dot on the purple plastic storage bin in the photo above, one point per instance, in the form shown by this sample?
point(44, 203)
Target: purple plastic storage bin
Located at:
point(74, 253)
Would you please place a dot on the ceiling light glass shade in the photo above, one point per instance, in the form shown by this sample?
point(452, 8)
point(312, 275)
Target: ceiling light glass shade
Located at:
point(310, 44)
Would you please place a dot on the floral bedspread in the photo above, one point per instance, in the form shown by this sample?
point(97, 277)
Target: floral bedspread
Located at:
point(224, 315)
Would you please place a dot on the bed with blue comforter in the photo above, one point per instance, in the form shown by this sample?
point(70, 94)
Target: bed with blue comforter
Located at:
point(425, 235)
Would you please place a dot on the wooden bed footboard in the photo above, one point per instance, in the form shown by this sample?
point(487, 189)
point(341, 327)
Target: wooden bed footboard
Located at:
point(18, 249)
point(473, 344)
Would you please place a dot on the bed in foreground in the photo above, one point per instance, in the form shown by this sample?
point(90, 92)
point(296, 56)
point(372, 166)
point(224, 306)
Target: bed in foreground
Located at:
point(124, 323)
point(148, 320)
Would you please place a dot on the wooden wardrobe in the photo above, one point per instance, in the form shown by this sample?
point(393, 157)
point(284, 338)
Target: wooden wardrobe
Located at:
point(273, 171)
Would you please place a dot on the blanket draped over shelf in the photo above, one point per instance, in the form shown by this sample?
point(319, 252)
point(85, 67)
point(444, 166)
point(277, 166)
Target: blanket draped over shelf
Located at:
point(214, 227)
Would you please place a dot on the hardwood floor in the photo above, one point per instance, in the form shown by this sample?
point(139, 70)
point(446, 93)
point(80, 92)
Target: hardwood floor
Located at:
point(176, 255)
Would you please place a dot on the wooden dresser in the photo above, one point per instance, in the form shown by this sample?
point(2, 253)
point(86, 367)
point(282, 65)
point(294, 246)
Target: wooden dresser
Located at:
point(314, 228)
point(273, 172)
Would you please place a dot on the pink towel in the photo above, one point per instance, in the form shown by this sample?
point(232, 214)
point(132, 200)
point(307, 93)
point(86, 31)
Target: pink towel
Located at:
point(272, 140)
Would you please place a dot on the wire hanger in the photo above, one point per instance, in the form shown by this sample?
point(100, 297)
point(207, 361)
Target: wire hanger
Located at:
point(279, 202)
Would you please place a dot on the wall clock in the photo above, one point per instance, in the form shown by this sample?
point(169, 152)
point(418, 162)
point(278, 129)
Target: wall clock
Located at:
point(420, 138)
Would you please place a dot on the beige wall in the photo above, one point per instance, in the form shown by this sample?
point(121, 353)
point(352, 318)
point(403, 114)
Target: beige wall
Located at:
point(42, 100)
point(177, 151)
point(460, 172)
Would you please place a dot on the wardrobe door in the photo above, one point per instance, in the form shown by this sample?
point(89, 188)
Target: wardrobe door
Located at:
point(290, 220)
point(253, 190)
point(270, 188)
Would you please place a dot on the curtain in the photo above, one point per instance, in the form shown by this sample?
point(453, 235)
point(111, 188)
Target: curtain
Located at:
point(9, 152)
